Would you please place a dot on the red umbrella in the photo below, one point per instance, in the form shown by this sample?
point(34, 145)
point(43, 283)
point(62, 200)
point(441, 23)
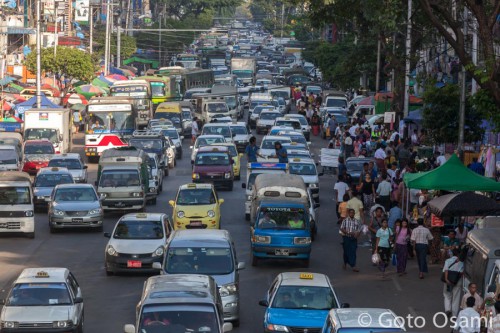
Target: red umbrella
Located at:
point(370, 100)
point(74, 98)
point(116, 77)
point(6, 106)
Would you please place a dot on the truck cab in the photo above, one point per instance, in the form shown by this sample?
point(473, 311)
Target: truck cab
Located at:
point(16, 203)
point(51, 124)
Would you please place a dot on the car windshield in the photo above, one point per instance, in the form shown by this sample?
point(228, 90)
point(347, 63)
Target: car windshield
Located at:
point(4, 161)
point(281, 218)
point(186, 114)
point(217, 108)
point(39, 294)
point(41, 133)
point(276, 94)
point(75, 194)
point(71, 164)
point(120, 178)
point(288, 123)
point(138, 229)
point(298, 139)
point(196, 197)
point(172, 134)
point(239, 130)
point(200, 142)
point(205, 159)
point(38, 149)
point(304, 297)
point(269, 115)
point(355, 165)
point(174, 117)
point(177, 318)
point(269, 144)
point(302, 120)
point(217, 130)
point(199, 260)
point(15, 195)
point(304, 169)
point(146, 144)
point(336, 103)
point(52, 179)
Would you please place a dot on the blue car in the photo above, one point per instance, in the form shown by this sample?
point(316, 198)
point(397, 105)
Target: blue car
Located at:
point(281, 230)
point(298, 302)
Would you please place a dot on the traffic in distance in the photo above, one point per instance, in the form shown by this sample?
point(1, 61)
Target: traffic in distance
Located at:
point(201, 206)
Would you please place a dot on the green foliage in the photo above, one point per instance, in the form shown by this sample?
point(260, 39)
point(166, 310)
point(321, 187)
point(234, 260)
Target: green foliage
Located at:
point(182, 9)
point(441, 111)
point(484, 104)
point(128, 44)
point(70, 62)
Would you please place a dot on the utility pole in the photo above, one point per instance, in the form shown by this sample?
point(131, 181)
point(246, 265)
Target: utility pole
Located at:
point(38, 58)
point(56, 41)
point(282, 20)
point(159, 44)
point(475, 45)
point(408, 63)
point(377, 75)
point(107, 39)
point(463, 91)
point(91, 26)
point(118, 45)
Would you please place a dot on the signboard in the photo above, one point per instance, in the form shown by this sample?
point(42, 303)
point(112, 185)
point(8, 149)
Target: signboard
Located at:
point(82, 11)
point(436, 221)
point(389, 117)
point(109, 107)
point(43, 116)
point(128, 89)
point(49, 7)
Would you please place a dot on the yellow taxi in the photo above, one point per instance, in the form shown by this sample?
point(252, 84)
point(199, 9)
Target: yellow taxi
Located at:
point(196, 206)
point(233, 152)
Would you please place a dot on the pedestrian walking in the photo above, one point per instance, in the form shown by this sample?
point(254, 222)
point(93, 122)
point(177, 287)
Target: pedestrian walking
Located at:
point(495, 321)
point(383, 246)
point(339, 190)
point(452, 275)
point(356, 204)
point(194, 130)
point(376, 219)
point(368, 190)
point(468, 320)
point(420, 238)
point(384, 192)
point(252, 151)
point(342, 210)
point(350, 228)
point(472, 292)
point(403, 234)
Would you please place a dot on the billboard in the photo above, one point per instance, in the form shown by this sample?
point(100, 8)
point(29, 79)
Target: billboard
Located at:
point(82, 9)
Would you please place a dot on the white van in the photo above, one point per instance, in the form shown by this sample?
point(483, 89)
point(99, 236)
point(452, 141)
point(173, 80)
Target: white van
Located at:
point(9, 160)
point(16, 203)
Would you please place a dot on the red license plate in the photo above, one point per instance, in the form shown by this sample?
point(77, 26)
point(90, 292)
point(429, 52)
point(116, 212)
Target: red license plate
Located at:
point(195, 223)
point(134, 264)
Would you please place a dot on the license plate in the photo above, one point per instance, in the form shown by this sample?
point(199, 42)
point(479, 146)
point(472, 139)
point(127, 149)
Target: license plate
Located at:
point(134, 264)
point(195, 223)
point(281, 252)
point(77, 220)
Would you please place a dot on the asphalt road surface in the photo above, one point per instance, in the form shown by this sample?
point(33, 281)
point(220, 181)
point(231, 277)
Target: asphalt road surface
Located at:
point(110, 301)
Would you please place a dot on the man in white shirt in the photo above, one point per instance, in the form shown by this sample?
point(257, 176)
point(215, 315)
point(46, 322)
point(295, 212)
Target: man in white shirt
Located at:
point(380, 154)
point(194, 130)
point(352, 130)
point(468, 320)
point(340, 189)
point(440, 159)
point(451, 292)
point(384, 192)
point(414, 138)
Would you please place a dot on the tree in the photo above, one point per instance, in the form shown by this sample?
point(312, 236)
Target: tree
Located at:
point(128, 44)
point(69, 62)
point(181, 9)
point(484, 14)
point(440, 115)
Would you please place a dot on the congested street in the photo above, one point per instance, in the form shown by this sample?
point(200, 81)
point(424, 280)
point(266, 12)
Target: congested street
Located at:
point(110, 300)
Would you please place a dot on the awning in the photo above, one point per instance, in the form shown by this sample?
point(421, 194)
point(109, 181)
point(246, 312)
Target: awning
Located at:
point(20, 31)
point(69, 41)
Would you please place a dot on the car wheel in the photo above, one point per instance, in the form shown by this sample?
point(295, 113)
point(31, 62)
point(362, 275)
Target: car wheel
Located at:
point(30, 235)
point(255, 260)
point(236, 323)
point(109, 272)
point(247, 217)
point(80, 326)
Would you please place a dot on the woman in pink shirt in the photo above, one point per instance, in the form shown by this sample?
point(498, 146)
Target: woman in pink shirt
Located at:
point(403, 234)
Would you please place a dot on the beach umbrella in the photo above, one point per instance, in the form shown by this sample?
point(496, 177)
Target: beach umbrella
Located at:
point(6, 106)
point(116, 77)
point(89, 90)
point(78, 107)
point(369, 100)
point(74, 98)
point(16, 86)
point(79, 83)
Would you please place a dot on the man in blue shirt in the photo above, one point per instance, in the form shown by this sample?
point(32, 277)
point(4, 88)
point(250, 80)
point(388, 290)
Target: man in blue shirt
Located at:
point(281, 153)
point(395, 213)
point(252, 151)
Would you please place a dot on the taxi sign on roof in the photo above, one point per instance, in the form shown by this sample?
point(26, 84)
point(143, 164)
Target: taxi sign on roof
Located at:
point(268, 166)
point(306, 276)
point(42, 274)
point(296, 159)
point(191, 185)
point(141, 215)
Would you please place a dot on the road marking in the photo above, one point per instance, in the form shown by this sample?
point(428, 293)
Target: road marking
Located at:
point(396, 284)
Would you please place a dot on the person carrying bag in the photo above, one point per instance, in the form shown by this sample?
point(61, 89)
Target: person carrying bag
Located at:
point(451, 276)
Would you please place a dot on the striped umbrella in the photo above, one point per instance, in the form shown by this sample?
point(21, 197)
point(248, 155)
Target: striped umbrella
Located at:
point(74, 98)
point(89, 90)
point(116, 77)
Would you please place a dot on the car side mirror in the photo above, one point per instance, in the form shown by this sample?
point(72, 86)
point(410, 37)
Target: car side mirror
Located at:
point(85, 166)
point(129, 328)
point(190, 147)
point(78, 300)
point(221, 201)
point(157, 265)
point(171, 203)
point(264, 302)
point(243, 185)
point(345, 305)
point(241, 265)
point(182, 137)
point(107, 235)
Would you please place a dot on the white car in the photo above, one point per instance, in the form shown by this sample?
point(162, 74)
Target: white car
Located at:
point(255, 114)
point(306, 168)
point(218, 129)
point(205, 140)
point(266, 121)
point(241, 136)
point(156, 178)
point(172, 133)
point(137, 241)
point(73, 162)
point(306, 129)
point(267, 147)
point(46, 298)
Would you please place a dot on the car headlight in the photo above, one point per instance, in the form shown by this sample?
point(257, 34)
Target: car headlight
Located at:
point(228, 289)
point(227, 175)
point(280, 328)
point(95, 211)
point(111, 251)
point(249, 198)
point(262, 239)
point(10, 324)
point(196, 176)
point(313, 185)
point(158, 252)
point(302, 240)
point(62, 323)
point(58, 212)
point(137, 194)
point(40, 197)
point(180, 214)
point(28, 213)
point(211, 213)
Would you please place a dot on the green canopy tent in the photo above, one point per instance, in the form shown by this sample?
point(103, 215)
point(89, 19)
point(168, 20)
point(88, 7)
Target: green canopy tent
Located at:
point(451, 176)
point(134, 60)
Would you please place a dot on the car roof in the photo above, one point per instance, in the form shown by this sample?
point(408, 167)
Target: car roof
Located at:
point(349, 317)
point(43, 274)
point(179, 288)
point(239, 123)
point(66, 156)
point(275, 137)
point(303, 279)
point(197, 235)
point(75, 185)
point(287, 119)
point(196, 186)
point(204, 136)
point(223, 144)
point(53, 170)
point(271, 111)
point(360, 159)
point(213, 148)
point(142, 216)
point(301, 160)
point(216, 124)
